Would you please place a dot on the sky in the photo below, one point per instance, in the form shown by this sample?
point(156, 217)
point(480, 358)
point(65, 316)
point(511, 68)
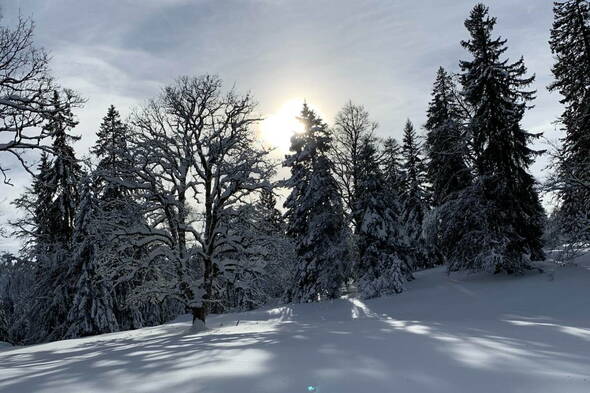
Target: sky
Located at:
point(382, 54)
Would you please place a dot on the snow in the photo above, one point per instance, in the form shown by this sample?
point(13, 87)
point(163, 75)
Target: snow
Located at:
point(458, 333)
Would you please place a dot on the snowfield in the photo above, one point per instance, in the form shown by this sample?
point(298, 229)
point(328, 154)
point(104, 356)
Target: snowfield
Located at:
point(469, 333)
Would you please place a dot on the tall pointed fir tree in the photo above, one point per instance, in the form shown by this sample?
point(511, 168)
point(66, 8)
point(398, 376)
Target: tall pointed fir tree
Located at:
point(511, 214)
point(43, 192)
point(110, 149)
point(34, 227)
point(447, 154)
point(391, 166)
point(379, 269)
point(414, 195)
point(446, 144)
point(58, 197)
point(278, 247)
point(64, 176)
point(315, 215)
point(272, 219)
point(570, 44)
point(92, 309)
point(116, 210)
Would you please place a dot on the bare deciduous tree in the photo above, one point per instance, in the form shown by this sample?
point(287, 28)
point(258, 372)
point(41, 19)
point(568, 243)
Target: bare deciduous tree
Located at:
point(26, 92)
point(196, 159)
point(351, 126)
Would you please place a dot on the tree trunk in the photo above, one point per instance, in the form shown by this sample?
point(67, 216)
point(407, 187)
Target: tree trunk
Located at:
point(198, 314)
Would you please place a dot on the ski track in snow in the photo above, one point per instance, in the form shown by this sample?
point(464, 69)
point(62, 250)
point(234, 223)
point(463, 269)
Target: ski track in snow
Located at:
point(463, 333)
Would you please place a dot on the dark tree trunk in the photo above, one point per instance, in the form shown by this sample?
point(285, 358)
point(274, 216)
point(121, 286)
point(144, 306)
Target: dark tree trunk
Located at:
point(198, 313)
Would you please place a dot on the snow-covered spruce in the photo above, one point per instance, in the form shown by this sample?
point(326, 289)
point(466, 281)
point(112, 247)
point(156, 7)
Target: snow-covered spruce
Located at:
point(446, 141)
point(50, 226)
point(497, 223)
point(379, 269)
point(570, 44)
point(414, 197)
point(315, 215)
point(92, 309)
point(447, 153)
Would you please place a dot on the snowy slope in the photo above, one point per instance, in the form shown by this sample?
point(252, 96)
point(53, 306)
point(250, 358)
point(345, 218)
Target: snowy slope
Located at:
point(445, 334)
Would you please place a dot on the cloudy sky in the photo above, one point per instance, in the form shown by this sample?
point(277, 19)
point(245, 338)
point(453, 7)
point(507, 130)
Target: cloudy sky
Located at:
point(379, 53)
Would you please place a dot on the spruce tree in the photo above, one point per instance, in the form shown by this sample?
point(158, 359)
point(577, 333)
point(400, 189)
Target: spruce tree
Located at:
point(43, 193)
point(270, 232)
point(64, 176)
point(315, 215)
point(379, 269)
point(446, 146)
point(570, 44)
point(391, 164)
point(116, 209)
point(35, 226)
point(92, 309)
point(496, 90)
point(414, 194)
point(57, 195)
point(272, 219)
point(111, 149)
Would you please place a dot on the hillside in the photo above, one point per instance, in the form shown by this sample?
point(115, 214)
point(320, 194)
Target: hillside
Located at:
point(452, 334)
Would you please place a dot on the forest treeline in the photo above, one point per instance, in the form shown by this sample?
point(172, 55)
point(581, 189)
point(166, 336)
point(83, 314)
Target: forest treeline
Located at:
point(174, 211)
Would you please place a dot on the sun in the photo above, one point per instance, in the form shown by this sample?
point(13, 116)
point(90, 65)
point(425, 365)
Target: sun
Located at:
point(276, 130)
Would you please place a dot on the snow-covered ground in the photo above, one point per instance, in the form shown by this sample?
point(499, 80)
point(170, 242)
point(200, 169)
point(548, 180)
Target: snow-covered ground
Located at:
point(445, 334)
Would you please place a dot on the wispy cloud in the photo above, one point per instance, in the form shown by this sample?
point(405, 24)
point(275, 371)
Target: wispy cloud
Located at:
point(381, 53)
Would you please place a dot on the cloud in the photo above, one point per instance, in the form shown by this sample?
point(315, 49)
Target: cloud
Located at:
point(379, 53)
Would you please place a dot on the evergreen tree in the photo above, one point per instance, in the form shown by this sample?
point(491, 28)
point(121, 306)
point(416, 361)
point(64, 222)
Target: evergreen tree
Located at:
point(64, 176)
point(116, 209)
point(57, 197)
point(414, 194)
point(446, 147)
point(272, 219)
point(379, 269)
point(43, 192)
point(278, 247)
point(16, 280)
point(110, 149)
point(315, 215)
point(35, 225)
point(510, 211)
point(92, 305)
point(391, 163)
point(570, 43)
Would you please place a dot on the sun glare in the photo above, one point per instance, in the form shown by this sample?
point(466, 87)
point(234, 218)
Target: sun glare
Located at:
point(277, 129)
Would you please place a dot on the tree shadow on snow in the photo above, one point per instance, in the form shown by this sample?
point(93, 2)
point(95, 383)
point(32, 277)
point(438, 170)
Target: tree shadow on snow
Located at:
point(347, 345)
